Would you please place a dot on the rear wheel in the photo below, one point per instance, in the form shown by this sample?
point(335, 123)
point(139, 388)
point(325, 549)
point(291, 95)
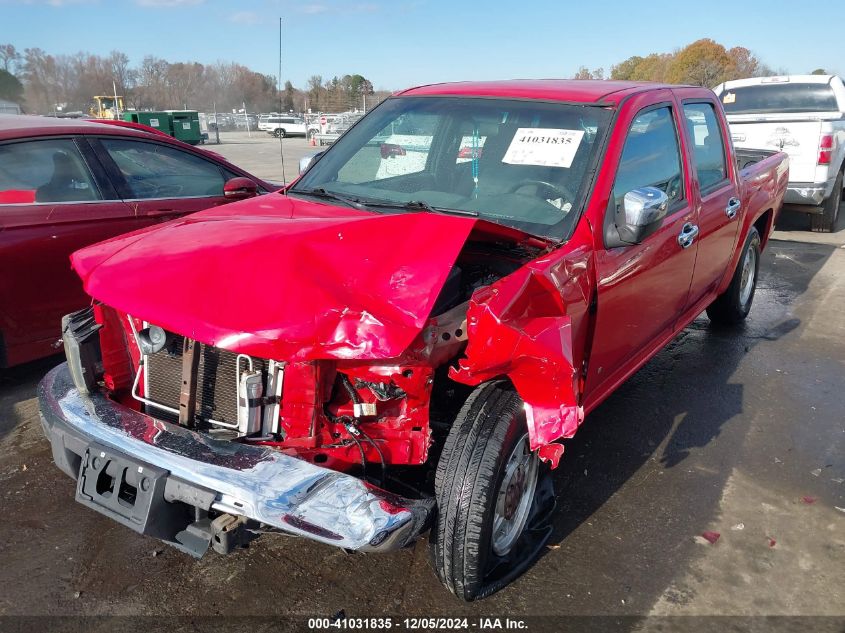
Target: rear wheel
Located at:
point(825, 222)
point(733, 305)
point(494, 496)
point(280, 133)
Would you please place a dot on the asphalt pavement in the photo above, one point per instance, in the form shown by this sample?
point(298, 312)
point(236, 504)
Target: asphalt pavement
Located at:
point(710, 483)
point(261, 154)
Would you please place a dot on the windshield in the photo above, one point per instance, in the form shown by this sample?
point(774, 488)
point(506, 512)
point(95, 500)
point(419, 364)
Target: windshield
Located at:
point(522, 163)
point(776, 98)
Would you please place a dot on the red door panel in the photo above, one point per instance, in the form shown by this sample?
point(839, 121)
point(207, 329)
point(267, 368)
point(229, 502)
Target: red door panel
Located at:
point(641, 291)
point(147, 212)
point(718, 197)
point(38, 286)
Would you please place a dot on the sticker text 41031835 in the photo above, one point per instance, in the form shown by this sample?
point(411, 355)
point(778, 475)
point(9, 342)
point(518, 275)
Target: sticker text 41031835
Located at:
point(547, 147)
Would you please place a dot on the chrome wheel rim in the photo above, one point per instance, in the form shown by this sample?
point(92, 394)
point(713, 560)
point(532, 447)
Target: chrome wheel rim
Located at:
point(515, 496)
point(746, 284)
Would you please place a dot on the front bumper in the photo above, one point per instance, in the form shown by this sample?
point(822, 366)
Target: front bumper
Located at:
point(255, 482)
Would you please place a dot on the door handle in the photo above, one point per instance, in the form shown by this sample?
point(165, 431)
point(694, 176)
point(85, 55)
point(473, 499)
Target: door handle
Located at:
point(687, 235)
point(734, 205)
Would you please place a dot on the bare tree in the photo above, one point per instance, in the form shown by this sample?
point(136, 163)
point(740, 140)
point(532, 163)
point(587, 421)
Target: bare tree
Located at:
point(9, 58)
point(315, 92)
point(71, 82)
point(121, 73)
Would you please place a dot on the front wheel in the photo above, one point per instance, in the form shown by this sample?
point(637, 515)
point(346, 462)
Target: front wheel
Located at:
point(279, 134)
point(494, 497)
point(733, 305)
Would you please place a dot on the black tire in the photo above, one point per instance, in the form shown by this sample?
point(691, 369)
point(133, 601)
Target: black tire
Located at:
point(280, 133)
point(733, 305)
point(825, 222)
point(487, 432)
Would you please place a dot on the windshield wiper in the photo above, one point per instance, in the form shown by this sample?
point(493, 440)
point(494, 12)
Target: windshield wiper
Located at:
point(420, 205)
point(319, 192)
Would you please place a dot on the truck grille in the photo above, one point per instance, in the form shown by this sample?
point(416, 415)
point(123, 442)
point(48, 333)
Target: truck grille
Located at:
point(216, 380)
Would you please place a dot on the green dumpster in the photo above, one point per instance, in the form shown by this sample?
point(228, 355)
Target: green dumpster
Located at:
point(186, 125)
point(158, 120)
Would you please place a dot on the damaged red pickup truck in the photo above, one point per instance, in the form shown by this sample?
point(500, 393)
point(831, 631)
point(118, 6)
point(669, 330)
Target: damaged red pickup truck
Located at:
point(399, 340)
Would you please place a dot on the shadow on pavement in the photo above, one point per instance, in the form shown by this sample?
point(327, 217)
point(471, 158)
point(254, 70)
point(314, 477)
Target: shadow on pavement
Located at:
point(796, 221)
point(654, 426)
point(18, 384)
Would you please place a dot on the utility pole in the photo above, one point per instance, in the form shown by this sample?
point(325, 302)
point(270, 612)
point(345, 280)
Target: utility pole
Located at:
point(279, 90)
point(116, 108)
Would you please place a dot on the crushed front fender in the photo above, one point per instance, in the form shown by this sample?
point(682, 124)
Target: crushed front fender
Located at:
point(534, 328)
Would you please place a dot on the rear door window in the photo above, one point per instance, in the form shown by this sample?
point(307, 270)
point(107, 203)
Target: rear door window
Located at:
point(708, 146)
point(774, 98)
point(152, 170)
point(45, 171)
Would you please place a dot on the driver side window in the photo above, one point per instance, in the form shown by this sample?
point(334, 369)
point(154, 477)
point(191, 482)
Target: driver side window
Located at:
point(651, 157)
point(152, 170)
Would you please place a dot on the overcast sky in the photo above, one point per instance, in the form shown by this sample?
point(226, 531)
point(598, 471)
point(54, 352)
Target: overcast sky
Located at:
point(408, 42)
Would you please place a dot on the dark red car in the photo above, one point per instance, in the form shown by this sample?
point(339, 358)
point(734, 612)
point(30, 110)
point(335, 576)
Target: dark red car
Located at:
point(66, 184)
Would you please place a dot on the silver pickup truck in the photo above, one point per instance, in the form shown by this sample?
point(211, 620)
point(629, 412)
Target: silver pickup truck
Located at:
point(803, 115)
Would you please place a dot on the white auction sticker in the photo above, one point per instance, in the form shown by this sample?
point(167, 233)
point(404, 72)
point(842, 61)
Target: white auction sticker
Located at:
point(547, 147)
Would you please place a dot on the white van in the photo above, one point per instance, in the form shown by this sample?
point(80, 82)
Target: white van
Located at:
point(803, 115)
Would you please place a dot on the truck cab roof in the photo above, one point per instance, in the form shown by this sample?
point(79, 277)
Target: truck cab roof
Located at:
point(597, 92)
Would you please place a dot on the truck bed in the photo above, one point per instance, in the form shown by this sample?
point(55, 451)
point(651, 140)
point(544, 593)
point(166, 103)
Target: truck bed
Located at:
point(764, 175)
point(746, 157)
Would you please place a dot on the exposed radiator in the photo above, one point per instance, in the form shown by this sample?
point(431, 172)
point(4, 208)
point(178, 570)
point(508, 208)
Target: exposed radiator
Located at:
point(216, 381)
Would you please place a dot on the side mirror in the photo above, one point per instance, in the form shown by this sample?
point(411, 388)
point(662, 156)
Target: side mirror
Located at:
point(305, 161)
point(641, 213)
point(239, 188)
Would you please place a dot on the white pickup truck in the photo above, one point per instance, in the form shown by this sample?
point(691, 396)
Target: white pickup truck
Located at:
point(803, 115)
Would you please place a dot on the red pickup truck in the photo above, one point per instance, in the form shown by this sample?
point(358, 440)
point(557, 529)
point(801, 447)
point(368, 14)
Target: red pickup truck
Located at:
point(400, 340)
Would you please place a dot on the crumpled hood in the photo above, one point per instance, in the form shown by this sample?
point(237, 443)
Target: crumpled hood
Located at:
point(282, 278)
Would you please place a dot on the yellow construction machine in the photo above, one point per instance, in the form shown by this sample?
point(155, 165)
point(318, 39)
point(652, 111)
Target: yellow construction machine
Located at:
point(104, 107)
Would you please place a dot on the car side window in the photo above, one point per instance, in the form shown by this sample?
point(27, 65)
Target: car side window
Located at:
point(651, 156)
point(708, 147)
point(155, 170)
point(45, 171)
